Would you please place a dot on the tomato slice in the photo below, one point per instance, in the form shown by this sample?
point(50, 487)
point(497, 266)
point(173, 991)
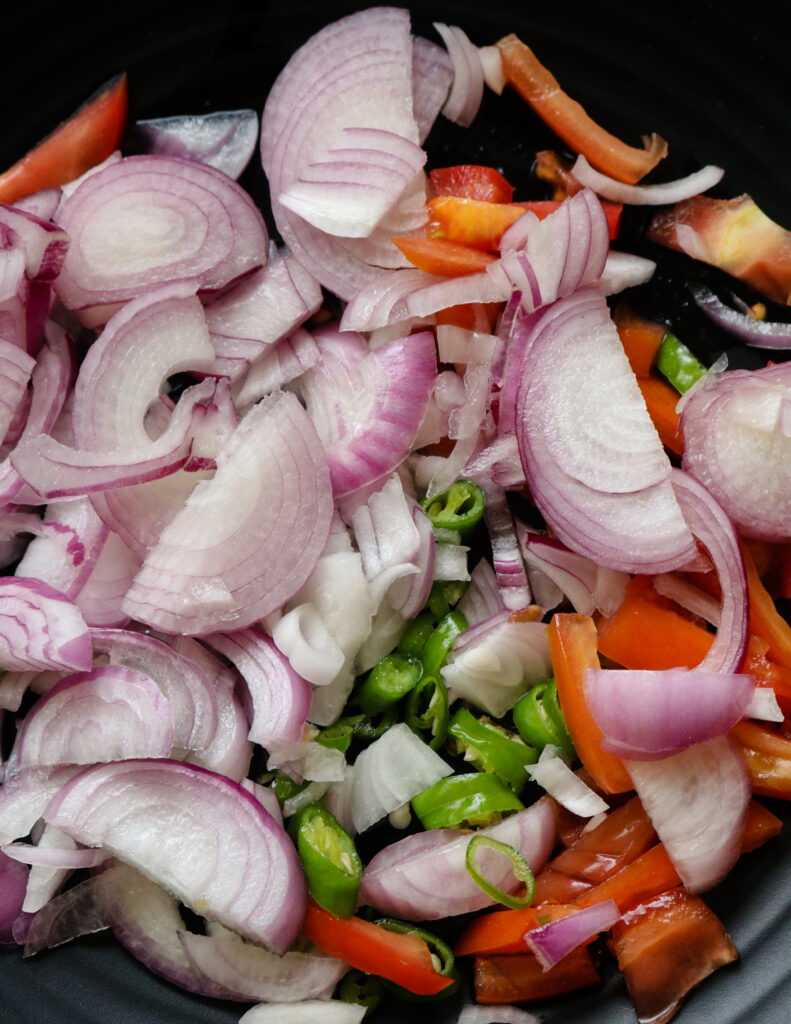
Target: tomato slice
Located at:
point(473, 181)
point(87, 138)
point(401, 958)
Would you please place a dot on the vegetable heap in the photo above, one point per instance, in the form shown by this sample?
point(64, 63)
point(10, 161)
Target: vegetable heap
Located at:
point(398, 523)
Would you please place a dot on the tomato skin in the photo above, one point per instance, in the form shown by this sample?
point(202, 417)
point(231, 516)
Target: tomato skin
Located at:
point(519, 977)
point(472, 181)
point(84, 140)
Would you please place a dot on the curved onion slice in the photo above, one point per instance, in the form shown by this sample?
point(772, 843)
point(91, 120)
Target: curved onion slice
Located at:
point(150, 220)
point(432, 75)
point(67, 916)
point(466, 91)
point(222, 854)
point(712, 527)
point(553, 941)
point(108, 714)
point(553, 775)
point(311, 1011)
point(249, 538)
point(40, 628)
point(389, 772)
point(750, 330)
point(24, 798)
point(697, 801)
point(495, 662)
point(281, 697)
point(501, 1014)
point(646, 195)
point(224, 139)
point(737, 439)
point(609, 498)
point(184, 684)
point(649, 715)
point(424, 877)
point(253, 973)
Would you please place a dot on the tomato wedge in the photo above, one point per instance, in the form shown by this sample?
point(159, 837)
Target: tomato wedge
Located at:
point(401, 958)
point(89, 136)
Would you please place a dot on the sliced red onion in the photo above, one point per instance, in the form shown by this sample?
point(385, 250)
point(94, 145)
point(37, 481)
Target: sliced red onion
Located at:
point(369, 423)
point(67, 916)
point(44, 882)
point(382, 301)
point(12, 689)
point(553, 941)
point(622, 511)
point(714, 530)
point(40, 628)
point(409, 594)
point(206, 227)
point(482, 598)
point(226, 857)
point(387, 536)
point(253, 973)
point(25, 853)
point(492, 65)
point(389, 772)
point(495, 662)
point(759, 333)
point(663, 194)
point(438, 293)
point(688, 596)
point(312, 1011)
point(230, 752)
point(697, 801)
point(13, 883)
point(16, 367)
point(624, 270)
point(42, 204)
point(100, 598)
point(279, 365)
point(24, 798)
point(506, 554)
point(185, 685)
point(423, 877)
point(107, 714)
point(281, 697)
point(43, 243)
point(553, 775)
point(466, 91)
point(764, 706)
point(649, 715)
point(249, 538)
point(309, 760)
point(224, 139)
point(147, 921)
point(588, 586)
point(450, 562)
point(307, 643)
point(262, 308)
point(432, 75)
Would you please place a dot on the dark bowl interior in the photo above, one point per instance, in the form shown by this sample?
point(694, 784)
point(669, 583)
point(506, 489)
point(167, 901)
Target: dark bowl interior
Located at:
point(714, 80)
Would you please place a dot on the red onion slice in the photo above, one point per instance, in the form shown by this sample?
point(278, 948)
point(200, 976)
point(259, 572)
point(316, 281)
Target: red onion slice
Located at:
point(649, 715)
point(40, 628)
point(466, 91)
point(482, 598)
point(432, 75)
point(311, 1011)
point(281, 697)
point(186, 687)
point(500, 1014)
point(108, 714)
point(25, 853)
point(554, 776)
point(759, 333)
point(16, 367)
point(222, 854)
point(13, 883)
point(67, 916)
point(205, 226)
point(110, 578)
point(249, 538)
point(43, 243)
point(253, 973)
point(646, 195)
point(553, 941)
point(24, 798)
point(736, 444)
point(224, 139)
point(424, 877)
point(697, 801)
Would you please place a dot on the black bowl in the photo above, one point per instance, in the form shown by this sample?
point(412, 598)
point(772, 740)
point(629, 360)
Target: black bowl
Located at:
point(713, 81)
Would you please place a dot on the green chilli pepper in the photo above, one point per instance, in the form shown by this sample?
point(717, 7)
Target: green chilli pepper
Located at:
point(391, 679)
point(459, 508)
point(417, 633)
point(464, 800)
point(438, 645)
point(521, 869)
point(332, 866)
point(427, 712)
point(285, 788)
point(491, 748)
point(440, 952)
point(360, 988)
point(539, 719)
point(678, 364)
point(444, 595)
point(340, 734)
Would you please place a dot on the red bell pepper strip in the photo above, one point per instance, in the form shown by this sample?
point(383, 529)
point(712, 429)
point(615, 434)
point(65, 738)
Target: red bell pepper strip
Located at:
point(640, 338)
point(661, 400)
point(447, 259)
point(568, 119)
point(472, 181)
point(503, 931)
point(87, 138)
point(572, 647)
point(765, 620)
point(471, 221)
point(403, 959)
point(520, 978)
point(768, 756)
point(666, 947)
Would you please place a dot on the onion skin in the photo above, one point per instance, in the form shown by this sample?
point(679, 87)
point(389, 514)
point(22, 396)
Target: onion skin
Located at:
point(226, 858)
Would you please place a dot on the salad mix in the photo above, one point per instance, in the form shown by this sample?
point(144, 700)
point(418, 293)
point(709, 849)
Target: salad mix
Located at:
point(392, 602)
